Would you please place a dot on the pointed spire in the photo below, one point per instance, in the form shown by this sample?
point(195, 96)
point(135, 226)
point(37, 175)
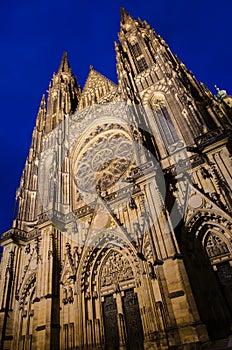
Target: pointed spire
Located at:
point(42, 106)
point(41, 114)
point(125, 15)
point(64, 102)
point(64, 65)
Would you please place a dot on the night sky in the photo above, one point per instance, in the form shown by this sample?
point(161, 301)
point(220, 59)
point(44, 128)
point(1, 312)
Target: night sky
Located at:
point(34, 35)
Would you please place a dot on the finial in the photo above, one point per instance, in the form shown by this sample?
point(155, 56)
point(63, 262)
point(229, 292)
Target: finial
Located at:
point(216, 88)
point(64, 66)
point(116, 46)
point(42, 105)
point(43, 99)
point(124, 15)
point(41, 114)
point(122, 11)
point(91, 67)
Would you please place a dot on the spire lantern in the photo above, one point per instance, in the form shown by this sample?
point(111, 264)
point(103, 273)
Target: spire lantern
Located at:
point(221, 94)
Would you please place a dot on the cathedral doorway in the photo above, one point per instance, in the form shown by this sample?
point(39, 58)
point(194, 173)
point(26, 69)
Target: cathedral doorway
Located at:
point(218, 251)
point(122, 329)
point(207, 262)
point(133, 321)
point(224, 274)
point(110, 323)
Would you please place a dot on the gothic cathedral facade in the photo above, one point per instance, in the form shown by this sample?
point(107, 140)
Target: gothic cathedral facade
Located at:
point(123, 235)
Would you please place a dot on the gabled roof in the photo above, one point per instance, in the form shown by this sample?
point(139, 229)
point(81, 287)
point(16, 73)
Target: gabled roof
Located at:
point(96, 80)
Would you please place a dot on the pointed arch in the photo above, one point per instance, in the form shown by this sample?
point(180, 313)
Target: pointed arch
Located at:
point(111, 274)
point(26, 312)
point(215, 244)
point(96, 253)
point(163, 120)
point(205, 245)
point(108, 268)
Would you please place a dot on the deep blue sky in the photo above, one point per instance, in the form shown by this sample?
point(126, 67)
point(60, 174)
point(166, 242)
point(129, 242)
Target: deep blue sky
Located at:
point(34, 35)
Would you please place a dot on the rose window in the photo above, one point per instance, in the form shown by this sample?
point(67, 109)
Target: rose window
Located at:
point(103, 160)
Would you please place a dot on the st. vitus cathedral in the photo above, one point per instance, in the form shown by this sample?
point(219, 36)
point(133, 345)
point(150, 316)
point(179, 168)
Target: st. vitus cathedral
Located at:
point(122, 235)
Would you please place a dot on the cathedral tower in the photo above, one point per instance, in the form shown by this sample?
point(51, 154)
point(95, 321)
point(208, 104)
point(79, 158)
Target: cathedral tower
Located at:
point(122, 235)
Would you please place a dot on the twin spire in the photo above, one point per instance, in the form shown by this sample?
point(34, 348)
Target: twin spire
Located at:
point(65, 66)
point(70, 95)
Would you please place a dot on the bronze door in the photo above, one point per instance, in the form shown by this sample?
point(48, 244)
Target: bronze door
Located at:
point(110, 323)
point(133, 321)
point(224, 272)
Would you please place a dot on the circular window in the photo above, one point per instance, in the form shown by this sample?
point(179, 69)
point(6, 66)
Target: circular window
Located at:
point(103, 160)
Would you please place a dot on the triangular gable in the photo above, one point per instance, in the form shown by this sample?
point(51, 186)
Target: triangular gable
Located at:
point(29, 272)
point(197, 201)
point(96, 80)
point(69, 269)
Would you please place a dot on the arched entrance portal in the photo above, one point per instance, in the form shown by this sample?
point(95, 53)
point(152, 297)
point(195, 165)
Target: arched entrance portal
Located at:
point(218, 248)
point(120, 307)
point(207, 252)
point(113, 282)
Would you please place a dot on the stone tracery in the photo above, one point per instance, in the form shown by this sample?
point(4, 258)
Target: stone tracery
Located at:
point(215, 246)
point(103, 161)
point(116, 269)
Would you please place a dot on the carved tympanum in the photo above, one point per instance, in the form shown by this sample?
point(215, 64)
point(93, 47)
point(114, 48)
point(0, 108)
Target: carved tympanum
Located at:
point(116, 269)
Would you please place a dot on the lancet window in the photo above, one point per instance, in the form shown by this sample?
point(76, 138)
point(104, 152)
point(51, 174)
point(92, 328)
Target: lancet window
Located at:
point(27, 313)
point(136, 50)
point(163, 120)
point(137, 54)
point(142, 64)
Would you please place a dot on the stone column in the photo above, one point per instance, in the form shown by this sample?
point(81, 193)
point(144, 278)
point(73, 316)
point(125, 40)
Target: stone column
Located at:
point(121, 322)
